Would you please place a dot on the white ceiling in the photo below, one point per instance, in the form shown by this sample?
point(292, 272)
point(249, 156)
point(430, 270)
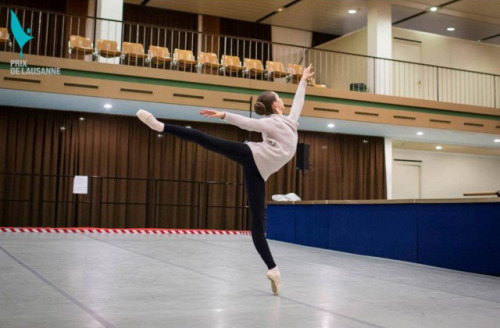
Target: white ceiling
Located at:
point(472, 19)
point(404, 137)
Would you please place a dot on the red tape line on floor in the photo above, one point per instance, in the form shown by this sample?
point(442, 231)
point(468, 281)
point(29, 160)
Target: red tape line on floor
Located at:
point(125, 231)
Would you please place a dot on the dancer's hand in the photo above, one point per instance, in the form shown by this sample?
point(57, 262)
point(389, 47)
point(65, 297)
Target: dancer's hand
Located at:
point(307, 74)
point(212, 113)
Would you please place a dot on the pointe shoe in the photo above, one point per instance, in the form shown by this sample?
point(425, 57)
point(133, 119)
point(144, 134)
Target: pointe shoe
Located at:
point(148, 119)
point(275, 277)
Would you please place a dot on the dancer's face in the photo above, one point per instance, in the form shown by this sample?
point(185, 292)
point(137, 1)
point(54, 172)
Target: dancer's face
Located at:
point(278, 105)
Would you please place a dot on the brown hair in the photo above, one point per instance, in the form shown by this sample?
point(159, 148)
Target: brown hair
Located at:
point(264, 104)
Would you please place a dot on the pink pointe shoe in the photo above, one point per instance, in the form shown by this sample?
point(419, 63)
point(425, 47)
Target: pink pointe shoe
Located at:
point(148, 119)
point(274, 276)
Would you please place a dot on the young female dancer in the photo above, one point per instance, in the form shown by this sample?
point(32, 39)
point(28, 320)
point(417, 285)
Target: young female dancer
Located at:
point(259, 159)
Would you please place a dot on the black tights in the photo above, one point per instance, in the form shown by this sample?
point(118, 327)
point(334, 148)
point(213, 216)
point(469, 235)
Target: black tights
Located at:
point(254, 184)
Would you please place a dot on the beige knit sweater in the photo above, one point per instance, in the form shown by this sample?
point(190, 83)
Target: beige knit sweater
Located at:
point(279, 134)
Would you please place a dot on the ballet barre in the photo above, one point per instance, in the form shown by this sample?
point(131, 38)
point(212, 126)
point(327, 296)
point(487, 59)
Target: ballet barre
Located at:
point(487, 193)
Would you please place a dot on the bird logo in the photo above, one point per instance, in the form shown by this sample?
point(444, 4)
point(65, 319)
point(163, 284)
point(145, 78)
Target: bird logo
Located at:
point(20, 36)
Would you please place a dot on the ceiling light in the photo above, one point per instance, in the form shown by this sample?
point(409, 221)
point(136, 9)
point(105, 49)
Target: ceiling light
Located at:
point(280, 9)
point(63, 128)
point(82, 118)
point(352, 11)
point(108, 106)
point(420, 133)
point(365, 141)
point(160, 135)
point(331, 125)
point(433, 9)
point(497, 140)
point(451, 29)
point(439, 147)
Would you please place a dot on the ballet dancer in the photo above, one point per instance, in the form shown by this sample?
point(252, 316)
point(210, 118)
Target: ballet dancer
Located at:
point(259, 159)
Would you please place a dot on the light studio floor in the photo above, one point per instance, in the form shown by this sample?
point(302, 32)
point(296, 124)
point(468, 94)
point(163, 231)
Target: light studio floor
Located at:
point(96, 280)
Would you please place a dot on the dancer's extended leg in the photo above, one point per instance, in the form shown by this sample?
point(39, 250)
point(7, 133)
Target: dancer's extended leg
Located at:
point(254, 183)
point(236, 151)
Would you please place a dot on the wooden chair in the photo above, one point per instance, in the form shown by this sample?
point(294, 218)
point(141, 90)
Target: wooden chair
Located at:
point(295, 72)
point(159, 57)
point(254, 68)
point(133, 54)
point(184, 60)
point(276, 70)
point(4, 38)
point(231, 65)
point(312, 82)
point(79, 47)
point(208, 63)
point(107, 49)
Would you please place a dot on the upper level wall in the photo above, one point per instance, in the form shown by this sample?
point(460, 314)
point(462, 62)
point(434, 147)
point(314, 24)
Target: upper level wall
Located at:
point(435, 50)
point(354, 43)
point(95, 79)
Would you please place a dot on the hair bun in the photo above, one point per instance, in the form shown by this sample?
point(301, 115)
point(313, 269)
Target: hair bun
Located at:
point(259, 108)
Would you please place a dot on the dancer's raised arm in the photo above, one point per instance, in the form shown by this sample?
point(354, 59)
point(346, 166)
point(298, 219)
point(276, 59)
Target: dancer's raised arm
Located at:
point(298, 100)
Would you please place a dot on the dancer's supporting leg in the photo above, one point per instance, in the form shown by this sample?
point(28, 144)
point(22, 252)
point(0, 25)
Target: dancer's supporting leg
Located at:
point(254, 184)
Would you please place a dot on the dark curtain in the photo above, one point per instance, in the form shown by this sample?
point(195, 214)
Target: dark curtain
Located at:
point(258, 48)
point(142, 25)
point(140, 179)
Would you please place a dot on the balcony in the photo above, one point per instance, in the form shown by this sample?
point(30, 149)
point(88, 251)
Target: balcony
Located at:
point(157, 64)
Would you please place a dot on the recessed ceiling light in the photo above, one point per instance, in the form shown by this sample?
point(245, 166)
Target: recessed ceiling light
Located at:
point(280, 9)
point(434, 9)
point(497, 140)
point(82, 118)
point(420, 133)
point(108, 106)
point(451, 29)
point(439, 147)
point(352, 11)
point(331, 125)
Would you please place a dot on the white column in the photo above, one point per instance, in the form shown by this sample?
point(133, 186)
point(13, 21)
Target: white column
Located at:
point(380, 45)
point(89, 29)
point(201, 46)
point(388, 166)
point(107, 30)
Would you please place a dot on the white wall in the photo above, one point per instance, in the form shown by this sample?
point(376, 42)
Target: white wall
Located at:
point(446, 175)
point(291, 36)
point(417, 81)
point(441, 50)
point(436, 49)
point(355, 43)
point(337, 70)
point(288, 54)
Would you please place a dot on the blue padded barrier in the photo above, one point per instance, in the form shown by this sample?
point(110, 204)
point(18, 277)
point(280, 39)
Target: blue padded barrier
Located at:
point(280, 223)
point(312, 225)
point(460, 236)
point(385, 231)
